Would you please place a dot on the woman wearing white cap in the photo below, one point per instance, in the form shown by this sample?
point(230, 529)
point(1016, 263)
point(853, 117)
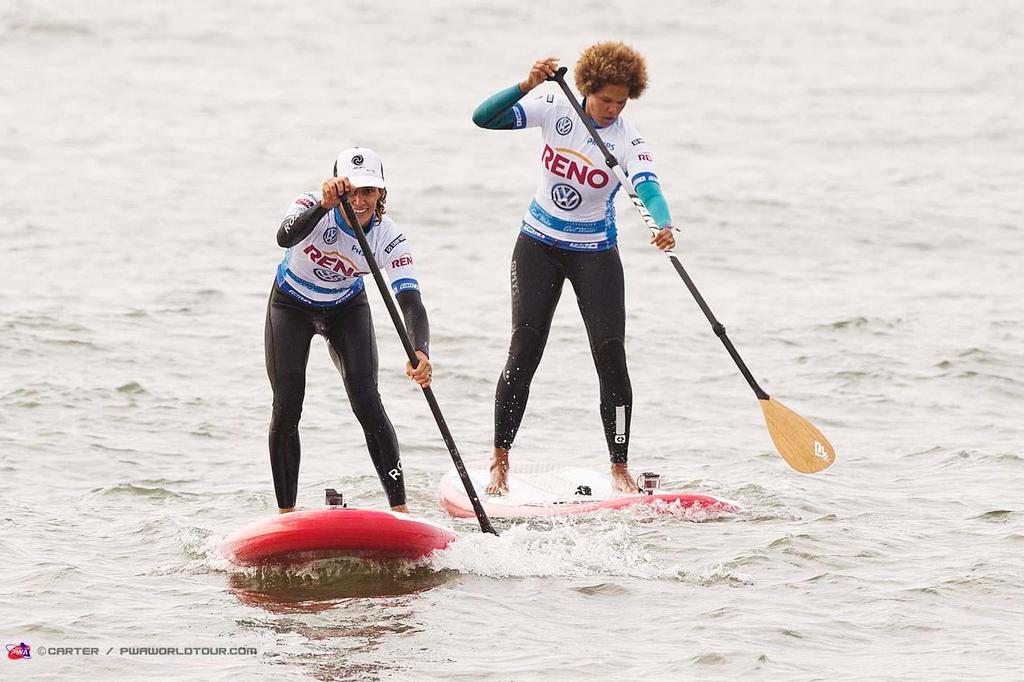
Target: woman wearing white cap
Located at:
point(319, 290)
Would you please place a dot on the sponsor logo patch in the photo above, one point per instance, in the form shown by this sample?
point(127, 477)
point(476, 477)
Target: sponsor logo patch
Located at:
point(328, 275)
point(401, 261)
point(517, 113)
point(333, 261)
point(394, 242)
point(331, 235)
point(357, 160)
point(561, 165)
point(637, 141)
point(515, 284)
point(563, 126)
point(610, 146)
point(566, 197)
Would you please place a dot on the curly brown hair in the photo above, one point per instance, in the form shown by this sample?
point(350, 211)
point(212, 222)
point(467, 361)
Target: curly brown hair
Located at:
point(611, 62)
point(379, 210)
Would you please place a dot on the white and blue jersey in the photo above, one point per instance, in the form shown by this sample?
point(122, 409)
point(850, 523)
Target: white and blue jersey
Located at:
point(574, 207)
point(327, 267)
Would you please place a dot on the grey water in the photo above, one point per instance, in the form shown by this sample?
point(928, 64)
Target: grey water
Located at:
point(849, 179)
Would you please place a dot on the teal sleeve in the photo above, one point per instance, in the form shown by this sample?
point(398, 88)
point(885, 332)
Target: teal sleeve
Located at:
point(495, 112)
point(650, 192)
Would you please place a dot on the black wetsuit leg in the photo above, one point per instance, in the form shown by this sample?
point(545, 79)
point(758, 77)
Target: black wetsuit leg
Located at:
point(600, 292)
point(537, 279)
point(353, 348)
point(290, 327)
point(538, 273)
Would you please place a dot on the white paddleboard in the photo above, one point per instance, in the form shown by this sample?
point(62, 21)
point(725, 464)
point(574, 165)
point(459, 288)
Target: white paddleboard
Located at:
point(546, 490)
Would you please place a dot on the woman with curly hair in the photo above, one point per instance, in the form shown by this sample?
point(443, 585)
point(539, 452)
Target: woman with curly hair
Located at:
point(319, 290)
point(569, 232)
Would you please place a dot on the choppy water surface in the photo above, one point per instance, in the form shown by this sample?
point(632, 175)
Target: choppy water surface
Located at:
point(849, 179)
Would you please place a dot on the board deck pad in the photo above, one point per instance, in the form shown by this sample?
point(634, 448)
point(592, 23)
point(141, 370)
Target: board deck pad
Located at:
point(333, 534)
point(546, 490)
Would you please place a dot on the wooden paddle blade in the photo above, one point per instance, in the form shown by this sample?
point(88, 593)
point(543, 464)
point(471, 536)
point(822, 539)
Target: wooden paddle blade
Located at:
point(802, 445)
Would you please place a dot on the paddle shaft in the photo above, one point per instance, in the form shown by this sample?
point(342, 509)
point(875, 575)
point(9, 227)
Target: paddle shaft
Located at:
point(428, 393)
point(613, 164)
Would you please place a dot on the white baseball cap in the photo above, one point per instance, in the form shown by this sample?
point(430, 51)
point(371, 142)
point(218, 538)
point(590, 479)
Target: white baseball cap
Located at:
point(362, 166)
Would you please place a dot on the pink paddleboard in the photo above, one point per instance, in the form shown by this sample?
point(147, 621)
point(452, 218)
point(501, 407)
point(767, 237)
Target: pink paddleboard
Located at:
point(551, 491)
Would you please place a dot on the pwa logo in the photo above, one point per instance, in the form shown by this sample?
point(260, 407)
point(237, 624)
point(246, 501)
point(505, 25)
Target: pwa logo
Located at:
point(19, 651)
point(564, 167)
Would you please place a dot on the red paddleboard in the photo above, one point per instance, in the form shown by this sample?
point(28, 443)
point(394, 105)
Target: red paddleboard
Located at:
point(335, 533)
point(549, 491)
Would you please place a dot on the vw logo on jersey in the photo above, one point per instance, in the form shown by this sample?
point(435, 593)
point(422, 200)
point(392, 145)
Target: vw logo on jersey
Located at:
point(328, 275)
point(563, 126)
point(331, 235)
point(357, 160)
point(565, 197)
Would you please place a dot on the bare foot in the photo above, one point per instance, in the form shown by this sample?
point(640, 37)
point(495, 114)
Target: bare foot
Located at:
point(499, 473)
point(285, 511)
point(622, 480)
point(400, 508)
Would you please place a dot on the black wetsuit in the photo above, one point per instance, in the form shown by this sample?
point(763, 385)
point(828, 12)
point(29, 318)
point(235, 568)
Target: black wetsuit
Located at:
point(348, 328)
point(538, 273)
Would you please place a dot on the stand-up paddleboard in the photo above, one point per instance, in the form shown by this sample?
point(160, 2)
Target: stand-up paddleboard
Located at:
point(541, 490)
point(335, 533)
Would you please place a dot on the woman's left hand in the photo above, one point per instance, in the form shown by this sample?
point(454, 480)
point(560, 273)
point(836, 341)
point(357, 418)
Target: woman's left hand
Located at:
point(664, 240)
point(421, 375)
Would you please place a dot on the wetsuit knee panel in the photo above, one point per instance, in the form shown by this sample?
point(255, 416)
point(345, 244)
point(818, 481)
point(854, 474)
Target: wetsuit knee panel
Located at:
point(610, 360)
point(524, 354)
point(364, 398)
point(289, 392)
point(527, 343)
point(610, 355)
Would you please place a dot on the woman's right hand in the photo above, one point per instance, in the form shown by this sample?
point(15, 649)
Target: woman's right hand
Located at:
point(424, 370)
point(332, 189)
point(542, 68)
